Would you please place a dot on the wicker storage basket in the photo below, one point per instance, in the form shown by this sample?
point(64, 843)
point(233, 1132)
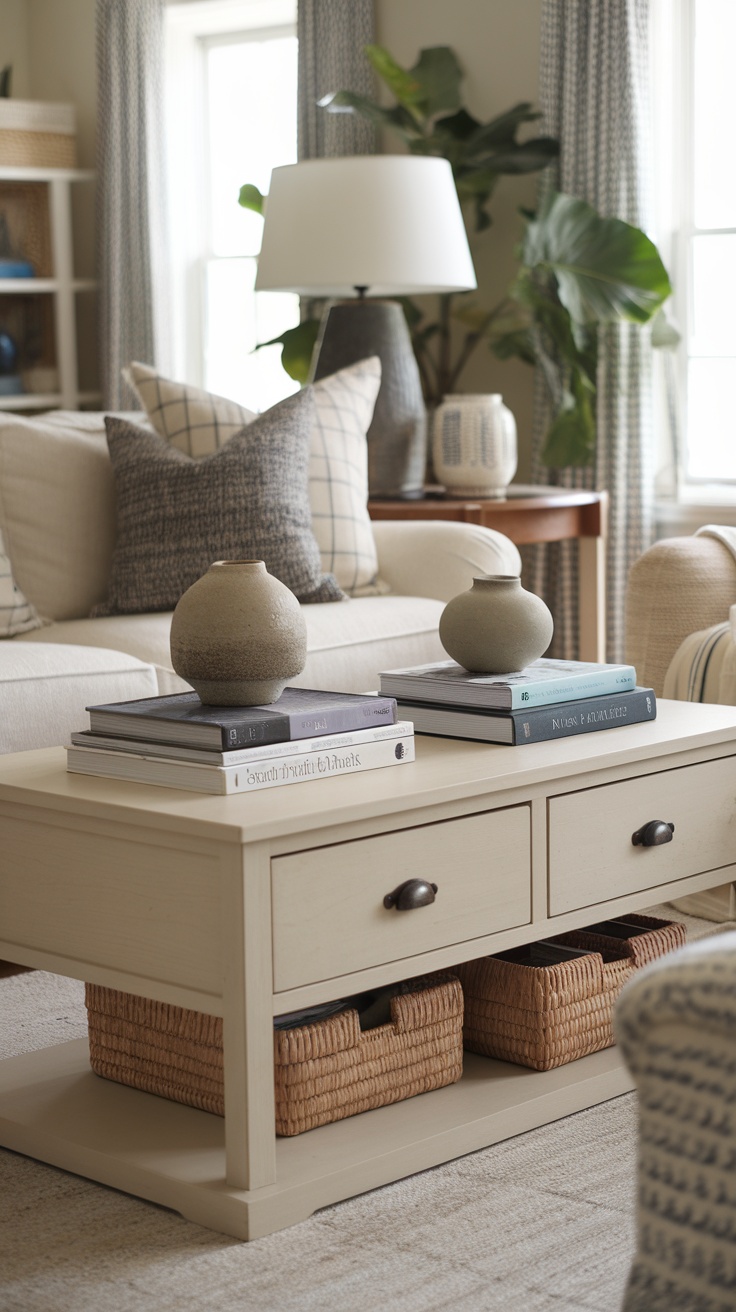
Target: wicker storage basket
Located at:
point(657, 938)
point(545, 1016)
point(37, 134)
point(323, 1072)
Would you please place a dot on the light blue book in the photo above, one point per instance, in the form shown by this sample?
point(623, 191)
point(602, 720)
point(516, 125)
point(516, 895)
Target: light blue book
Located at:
point(543, 682)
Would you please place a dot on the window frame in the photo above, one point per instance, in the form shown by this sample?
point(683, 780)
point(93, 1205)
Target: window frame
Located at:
point(683, 500)
point(192, 28)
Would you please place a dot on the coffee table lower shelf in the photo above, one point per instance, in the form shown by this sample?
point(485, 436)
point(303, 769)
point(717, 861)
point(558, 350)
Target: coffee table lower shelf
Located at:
point(53, 1108)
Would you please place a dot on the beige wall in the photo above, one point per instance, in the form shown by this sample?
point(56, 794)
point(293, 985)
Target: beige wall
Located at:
point(497, 43)
point(61, 48)
point(14, 43)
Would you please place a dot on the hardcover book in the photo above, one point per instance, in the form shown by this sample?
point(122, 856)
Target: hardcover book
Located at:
point(223, 779)
point(298, 713)
point(241, 755)
point(544, 682)
point(536, 724)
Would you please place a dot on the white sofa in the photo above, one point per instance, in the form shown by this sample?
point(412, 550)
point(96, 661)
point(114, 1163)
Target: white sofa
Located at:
point(57, 520)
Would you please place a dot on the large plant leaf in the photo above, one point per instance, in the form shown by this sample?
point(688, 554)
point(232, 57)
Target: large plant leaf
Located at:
point(402, 82)
point(297, 348)
point(524, 157)
point(251, 198)
point(605, 269)
point(348, 102)
point(501, 131)
point(571, 438)
point(457, 127)
point(439, 75)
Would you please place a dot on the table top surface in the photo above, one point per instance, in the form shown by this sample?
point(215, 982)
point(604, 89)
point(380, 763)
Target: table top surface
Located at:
point(518, 496)
point(446, 770)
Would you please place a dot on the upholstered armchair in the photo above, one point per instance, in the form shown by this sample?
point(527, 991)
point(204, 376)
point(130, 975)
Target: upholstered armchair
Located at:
point(681, 636)
point(676, 1025)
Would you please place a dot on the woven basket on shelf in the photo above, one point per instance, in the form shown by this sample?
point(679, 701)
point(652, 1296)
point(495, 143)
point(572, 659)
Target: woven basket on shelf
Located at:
point(545, 1016)
point(323, 1072)
point(37, 134)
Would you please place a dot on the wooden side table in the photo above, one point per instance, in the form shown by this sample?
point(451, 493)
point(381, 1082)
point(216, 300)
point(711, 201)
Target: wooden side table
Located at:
point(534, 514)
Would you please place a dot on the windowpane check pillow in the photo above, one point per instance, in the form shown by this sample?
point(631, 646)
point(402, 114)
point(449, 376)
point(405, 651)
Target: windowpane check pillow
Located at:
point(176, 515)
point(199, 423)
point(16, 614)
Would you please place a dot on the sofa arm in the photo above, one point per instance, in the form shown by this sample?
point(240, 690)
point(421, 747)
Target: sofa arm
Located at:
point(439, 558)
point(677, 587)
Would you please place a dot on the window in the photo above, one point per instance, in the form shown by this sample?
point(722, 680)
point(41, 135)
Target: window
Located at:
point(693, 43)
point(231, 118)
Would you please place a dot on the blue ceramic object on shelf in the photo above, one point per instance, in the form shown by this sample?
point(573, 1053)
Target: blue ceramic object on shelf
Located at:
point(10, 383)
point(15, 269)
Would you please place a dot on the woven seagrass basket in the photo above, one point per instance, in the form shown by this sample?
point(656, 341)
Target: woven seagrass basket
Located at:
point(37, 134)
point(657, 938)
point(323, 1072)
point(546, 1016)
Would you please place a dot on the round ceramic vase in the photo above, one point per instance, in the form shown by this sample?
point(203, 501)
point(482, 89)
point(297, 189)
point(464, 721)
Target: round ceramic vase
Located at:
point(238, 635)
point(497, 627)
point(474, 449)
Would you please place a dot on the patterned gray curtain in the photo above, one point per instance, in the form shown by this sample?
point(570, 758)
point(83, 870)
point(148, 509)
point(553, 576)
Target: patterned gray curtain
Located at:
point(593, 95)
point(130, 217)
point(332, 35)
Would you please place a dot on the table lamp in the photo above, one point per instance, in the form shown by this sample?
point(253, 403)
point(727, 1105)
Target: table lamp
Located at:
point(363, 229)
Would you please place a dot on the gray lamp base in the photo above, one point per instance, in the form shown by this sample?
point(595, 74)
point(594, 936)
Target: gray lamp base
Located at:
point(397, 437)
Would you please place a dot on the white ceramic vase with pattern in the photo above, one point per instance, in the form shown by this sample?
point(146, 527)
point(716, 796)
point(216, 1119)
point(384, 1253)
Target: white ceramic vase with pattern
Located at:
point(474, 449)
point(238, 635)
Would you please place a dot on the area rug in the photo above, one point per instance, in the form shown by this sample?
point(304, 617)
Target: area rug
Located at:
point(543, 1222)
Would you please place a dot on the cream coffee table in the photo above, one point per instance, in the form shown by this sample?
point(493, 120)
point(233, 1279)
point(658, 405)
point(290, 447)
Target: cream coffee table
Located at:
point(246, 907)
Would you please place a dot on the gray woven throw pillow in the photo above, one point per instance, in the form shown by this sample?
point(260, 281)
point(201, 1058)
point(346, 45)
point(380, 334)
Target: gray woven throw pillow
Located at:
point(176, 515)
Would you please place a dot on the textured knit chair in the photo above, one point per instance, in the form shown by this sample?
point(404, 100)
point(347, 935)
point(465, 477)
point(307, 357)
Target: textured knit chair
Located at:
point(676, 1026)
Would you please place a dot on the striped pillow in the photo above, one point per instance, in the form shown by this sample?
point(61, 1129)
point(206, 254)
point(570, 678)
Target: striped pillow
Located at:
point(200, 422)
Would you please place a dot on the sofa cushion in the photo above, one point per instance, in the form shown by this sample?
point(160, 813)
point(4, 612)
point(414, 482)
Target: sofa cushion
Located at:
point(45, 688)
point(57, 511)
point(200, 422)
point(347, 646)
point(176, 515)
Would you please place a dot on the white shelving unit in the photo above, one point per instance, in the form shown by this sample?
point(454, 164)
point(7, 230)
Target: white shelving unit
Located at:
point(62, 286)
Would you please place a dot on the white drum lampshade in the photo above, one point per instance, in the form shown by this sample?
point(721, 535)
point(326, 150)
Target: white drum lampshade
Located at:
point(365, 228)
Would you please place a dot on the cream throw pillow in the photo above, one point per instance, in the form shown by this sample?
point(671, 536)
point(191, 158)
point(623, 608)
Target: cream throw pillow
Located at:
point(57, 510)
point(199, 423)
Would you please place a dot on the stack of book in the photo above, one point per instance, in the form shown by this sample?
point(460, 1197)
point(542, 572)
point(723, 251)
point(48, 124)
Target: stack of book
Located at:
point(547, 699)
point(177, 742)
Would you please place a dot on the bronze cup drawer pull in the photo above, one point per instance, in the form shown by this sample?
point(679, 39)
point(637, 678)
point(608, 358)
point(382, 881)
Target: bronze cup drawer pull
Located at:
point(414, 893)
point(653, 833)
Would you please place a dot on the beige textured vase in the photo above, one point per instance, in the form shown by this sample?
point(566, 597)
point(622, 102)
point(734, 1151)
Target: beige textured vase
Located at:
point(238, 635)
point(497, 627)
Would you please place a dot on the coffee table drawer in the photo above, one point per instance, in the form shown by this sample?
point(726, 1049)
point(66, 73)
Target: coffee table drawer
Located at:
point(591, 854)
point(329, 918)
